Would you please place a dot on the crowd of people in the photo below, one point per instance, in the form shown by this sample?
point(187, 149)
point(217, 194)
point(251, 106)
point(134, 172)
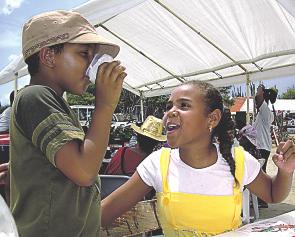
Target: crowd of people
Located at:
point(198, 175)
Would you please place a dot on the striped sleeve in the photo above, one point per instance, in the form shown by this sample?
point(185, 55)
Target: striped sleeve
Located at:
point(46, 120)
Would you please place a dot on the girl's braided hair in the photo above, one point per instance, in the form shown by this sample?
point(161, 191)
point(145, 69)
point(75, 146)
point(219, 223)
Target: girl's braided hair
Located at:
point(213, 100)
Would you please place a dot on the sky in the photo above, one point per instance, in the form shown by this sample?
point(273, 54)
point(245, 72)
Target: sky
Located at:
point(14, 13)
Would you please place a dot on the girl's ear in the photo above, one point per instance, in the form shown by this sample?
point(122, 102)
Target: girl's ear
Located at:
point(47, 57)
point(214, 118)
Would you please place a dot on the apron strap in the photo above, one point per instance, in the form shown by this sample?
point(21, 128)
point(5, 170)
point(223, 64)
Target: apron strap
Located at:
point(239, 174)
point(239, 161)
point(164, 165)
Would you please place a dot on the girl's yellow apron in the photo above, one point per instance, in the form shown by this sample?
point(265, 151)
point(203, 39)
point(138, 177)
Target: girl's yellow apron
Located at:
point(183, 214)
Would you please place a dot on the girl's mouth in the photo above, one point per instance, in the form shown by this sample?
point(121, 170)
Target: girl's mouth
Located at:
point(170, 127)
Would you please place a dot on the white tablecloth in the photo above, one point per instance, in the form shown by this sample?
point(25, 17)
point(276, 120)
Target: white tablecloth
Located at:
point(279, 226)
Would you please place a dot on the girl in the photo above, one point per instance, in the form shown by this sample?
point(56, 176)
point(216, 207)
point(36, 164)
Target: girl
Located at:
point(199, 183)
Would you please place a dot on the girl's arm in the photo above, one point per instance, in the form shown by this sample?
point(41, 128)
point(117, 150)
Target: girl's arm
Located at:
point(123, 199)
point(276, 189)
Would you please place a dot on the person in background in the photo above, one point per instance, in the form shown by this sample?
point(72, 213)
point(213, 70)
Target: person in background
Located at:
point(126, 159)
point(4, 163)
point(54, 165)
point(5, 116)
point(133, 140)
point(262, 124)
point(3, 173)
point(199, 183)
point(248, 140)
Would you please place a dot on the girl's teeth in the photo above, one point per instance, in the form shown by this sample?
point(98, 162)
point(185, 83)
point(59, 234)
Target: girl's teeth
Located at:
point(171, 127)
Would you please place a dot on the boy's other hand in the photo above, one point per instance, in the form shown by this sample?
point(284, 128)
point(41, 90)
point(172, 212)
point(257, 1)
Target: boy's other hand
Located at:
point(109, 83)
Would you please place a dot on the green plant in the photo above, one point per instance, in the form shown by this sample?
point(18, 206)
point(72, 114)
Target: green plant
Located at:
point(120, 134)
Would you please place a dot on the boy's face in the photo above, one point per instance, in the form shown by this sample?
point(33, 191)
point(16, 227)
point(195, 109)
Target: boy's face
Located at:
point(71, 65)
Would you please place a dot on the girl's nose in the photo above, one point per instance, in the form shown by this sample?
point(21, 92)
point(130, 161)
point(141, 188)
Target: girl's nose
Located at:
point(172, 113)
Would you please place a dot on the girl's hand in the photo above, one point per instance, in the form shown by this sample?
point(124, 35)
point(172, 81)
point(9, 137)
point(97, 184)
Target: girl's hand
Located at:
point(3, 173)
point(284, 158)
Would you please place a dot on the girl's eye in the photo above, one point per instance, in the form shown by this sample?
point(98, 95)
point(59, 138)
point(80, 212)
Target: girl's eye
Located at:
point(168, 107)
point(184, 105)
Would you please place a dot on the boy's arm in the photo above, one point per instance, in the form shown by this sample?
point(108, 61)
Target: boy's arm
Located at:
point(274, 190)
point(123, 199)
point(81, 161)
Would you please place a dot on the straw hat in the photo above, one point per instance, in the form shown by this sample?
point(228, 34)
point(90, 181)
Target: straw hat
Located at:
point(152, 127)
point(56, 27)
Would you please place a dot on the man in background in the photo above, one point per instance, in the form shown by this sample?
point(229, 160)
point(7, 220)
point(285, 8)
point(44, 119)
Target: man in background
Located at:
point(5, 116)
point(262, 124)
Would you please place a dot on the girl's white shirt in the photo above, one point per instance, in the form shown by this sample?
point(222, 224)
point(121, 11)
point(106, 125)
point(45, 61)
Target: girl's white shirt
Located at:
point(213, 180)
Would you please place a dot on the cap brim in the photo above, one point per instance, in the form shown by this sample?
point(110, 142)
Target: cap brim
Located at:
point(137, 129)
point(105, 47)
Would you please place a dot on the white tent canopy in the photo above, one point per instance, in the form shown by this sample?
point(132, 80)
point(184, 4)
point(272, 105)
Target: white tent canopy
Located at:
point(164, 43)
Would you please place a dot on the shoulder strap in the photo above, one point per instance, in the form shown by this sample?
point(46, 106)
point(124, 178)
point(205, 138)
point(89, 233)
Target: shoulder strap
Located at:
point(164, 165)
point(239, 160)
point(122, 158)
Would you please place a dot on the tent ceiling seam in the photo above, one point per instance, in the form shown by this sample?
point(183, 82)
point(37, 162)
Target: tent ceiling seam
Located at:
point(213, 79)
point(228, 65)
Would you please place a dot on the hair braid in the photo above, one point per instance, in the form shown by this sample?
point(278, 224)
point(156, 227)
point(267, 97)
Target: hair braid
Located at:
point(213, 100)
point(226, 141)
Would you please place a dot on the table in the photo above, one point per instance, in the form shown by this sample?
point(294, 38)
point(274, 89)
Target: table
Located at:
point(279, 226)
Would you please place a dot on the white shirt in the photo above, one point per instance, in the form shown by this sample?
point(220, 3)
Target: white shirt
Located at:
point(4, 119)
point(213, 180)
point(262, 124)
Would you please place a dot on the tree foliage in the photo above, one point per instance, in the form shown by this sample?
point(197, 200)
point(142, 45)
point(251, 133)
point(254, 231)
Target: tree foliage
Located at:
point(225, 93)
point(129, 103)
point(289, 94)
point(87, 98)
point(155, 105)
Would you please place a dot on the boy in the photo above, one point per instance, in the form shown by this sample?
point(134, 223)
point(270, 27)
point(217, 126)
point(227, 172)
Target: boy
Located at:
point(54, 165)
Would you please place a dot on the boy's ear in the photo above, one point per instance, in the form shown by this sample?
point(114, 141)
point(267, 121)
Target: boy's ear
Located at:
point(47, 57)
point(214, 118)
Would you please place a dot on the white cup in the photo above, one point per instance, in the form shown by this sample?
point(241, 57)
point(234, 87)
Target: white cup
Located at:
point(97, 60)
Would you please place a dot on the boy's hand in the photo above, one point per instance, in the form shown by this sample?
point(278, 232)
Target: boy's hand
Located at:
point(284, 158)
point(109, 83)
point(3, 173)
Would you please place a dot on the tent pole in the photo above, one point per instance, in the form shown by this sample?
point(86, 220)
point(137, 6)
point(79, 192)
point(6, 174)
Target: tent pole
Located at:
point(65, 96)
point(15, 82)
point(248, 97)
point(253, 104)
point(141, 107)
